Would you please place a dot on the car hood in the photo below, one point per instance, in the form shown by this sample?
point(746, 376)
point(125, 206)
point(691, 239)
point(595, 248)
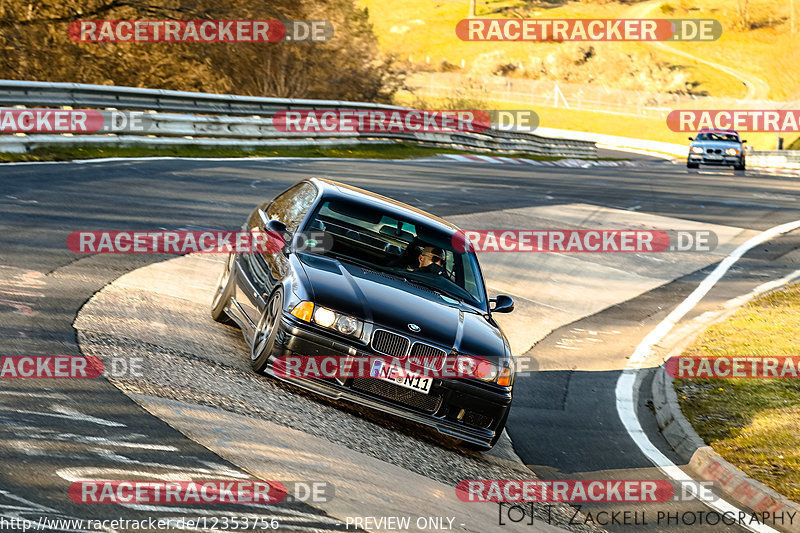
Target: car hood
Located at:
point(389, 302)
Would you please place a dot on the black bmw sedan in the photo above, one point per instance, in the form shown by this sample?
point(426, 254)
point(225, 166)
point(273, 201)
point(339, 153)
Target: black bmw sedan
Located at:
point(380, 278)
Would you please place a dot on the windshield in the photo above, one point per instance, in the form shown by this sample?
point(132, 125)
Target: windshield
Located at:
point(420, 254)
point(730, 137)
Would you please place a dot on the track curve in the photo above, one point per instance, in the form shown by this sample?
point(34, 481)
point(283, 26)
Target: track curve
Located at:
point(43, 203)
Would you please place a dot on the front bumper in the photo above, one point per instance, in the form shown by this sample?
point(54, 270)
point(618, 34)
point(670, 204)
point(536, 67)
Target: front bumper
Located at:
point(704, 159)
point(484, 406)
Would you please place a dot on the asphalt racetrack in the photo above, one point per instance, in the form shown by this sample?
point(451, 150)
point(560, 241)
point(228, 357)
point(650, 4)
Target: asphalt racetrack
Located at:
point(579, 319)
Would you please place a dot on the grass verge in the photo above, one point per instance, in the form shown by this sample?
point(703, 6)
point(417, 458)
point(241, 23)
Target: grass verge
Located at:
point(753, 423)
point(382, 151)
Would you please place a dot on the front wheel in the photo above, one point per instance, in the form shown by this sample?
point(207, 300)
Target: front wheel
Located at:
point(692, 165)
point(739, 167)
point(266, 331)
point(224, 291)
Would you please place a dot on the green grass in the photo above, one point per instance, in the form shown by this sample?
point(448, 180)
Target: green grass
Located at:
point(754, 424)
point(383, 151)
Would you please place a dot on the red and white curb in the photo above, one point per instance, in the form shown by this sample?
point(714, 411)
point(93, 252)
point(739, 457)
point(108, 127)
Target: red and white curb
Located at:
point(588, 163)
point(572, 163)
point(775, 171)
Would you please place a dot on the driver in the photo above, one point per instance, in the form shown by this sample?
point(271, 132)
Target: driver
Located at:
point(429, 260)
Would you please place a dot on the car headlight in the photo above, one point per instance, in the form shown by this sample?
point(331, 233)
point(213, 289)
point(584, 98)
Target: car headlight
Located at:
point(732, 151)
point(347, 324)
point(697, 150)
point(328, 318)
point(324, 317)
point(483, 369)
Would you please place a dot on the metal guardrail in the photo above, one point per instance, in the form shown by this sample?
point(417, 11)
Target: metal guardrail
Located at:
point(29, 93)
point(222, 120)
point(239, 121)
point(788, 159)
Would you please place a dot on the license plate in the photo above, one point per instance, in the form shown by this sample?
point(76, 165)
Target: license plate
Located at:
point(395, 373)
point(714, 156)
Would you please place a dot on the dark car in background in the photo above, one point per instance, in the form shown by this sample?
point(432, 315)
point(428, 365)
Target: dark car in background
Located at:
point(365, 294)
point(716, 147)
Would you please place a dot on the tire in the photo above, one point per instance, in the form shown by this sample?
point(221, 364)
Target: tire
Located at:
point(266, 331)
point(742, 166)
point(224, 292)
point(692, 165)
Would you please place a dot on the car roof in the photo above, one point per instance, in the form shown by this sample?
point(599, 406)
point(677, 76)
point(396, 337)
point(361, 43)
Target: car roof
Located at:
point(334, 189)
point(713, 130)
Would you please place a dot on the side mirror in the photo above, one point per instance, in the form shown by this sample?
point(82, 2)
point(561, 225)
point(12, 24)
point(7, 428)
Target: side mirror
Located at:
point(276, 226)
point(502, 304)
point(744, 141)
point(691, 138)
point(272, 224)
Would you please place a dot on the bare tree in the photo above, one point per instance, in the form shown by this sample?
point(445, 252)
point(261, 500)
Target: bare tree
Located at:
point(348, 67)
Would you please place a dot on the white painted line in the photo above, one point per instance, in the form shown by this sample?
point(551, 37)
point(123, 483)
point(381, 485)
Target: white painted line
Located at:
point(510, 160)
point(35, 163)
point(626, 407)
point(660, 331)
point(77, 415)
point(215, 159)
point(122, 444)
point(73, 416)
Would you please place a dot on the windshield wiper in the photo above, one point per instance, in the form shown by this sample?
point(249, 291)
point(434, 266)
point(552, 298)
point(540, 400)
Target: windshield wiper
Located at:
point(349, 259)
point(365, 264)
point(439, 291)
